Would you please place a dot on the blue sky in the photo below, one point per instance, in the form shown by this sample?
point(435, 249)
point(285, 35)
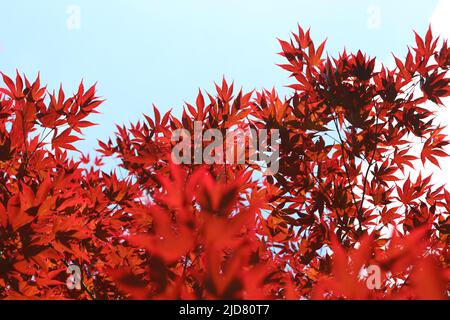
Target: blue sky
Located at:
point(144, 52)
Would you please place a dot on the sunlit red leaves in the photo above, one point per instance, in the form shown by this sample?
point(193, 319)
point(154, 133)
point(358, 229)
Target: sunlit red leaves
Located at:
point(424, 50)
point(348, 193)
point(376, 115)
point(65, 140)
point(345, 283)
point(42, 197)
point(407, 69)
point(436, 86)
point(395, 260)
point(188, 247)
point(15, 90)
point(433, 148)
point(443, 56)
point(403, 159)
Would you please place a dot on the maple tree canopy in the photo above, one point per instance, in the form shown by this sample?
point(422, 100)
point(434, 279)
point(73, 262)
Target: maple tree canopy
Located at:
point(352, 191)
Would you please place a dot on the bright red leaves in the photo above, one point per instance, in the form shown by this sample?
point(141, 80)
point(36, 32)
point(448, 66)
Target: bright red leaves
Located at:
point(352, 192)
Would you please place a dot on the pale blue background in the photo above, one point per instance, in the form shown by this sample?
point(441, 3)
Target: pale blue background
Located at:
point(161, 52)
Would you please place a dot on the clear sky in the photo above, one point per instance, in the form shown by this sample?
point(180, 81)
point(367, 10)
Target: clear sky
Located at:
point(144, 52)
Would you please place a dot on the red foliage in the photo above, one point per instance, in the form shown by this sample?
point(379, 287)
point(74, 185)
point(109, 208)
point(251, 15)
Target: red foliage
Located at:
point(350, 193)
